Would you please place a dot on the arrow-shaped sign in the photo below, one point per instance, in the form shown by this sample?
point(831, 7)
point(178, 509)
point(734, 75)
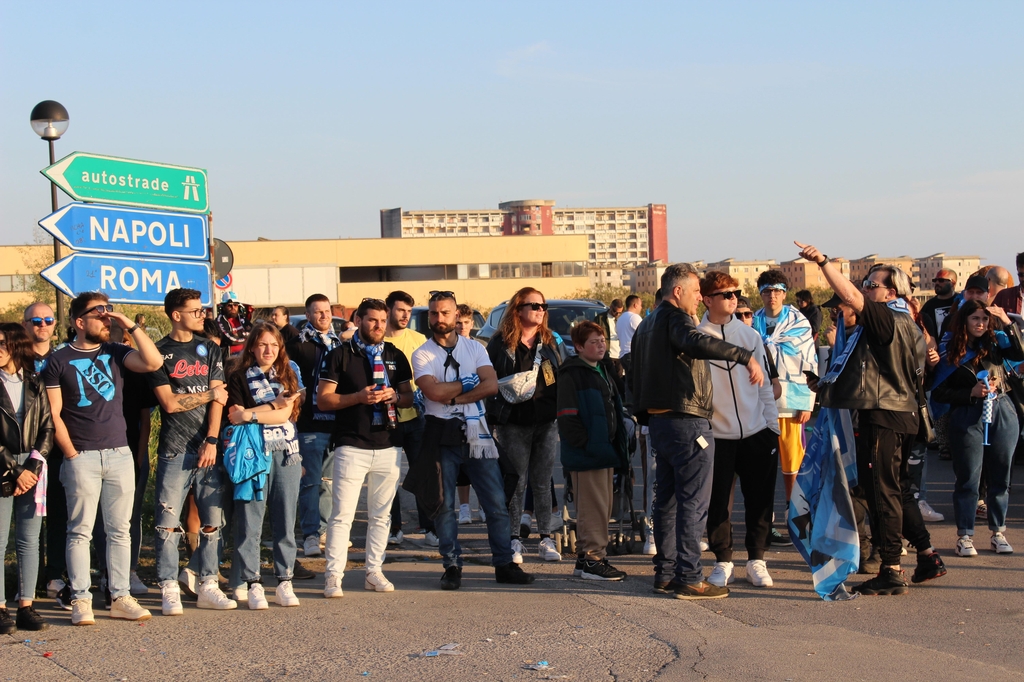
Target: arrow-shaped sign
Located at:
point(128, 280)
point(96, 228)
point(127, 182)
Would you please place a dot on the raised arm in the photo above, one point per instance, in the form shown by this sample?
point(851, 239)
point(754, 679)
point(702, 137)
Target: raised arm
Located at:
point(840, 284)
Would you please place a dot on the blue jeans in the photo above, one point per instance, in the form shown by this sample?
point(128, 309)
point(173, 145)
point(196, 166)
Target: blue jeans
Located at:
point(966, 435)
point(312, 519)
point(99, 479)
point(99, 536)
point(175, 476)
point(682, 494)
point(27, 527)
point(281, 494)
point(485, 476)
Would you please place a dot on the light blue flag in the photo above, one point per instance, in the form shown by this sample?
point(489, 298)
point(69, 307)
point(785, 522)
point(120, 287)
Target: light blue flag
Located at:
point(822, 524)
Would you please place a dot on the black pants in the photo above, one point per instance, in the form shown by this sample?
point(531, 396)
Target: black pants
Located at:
point(755, 460)
point(56, 518)
point(882, 456)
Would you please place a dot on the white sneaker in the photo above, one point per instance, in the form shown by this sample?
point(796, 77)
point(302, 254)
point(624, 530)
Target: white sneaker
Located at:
point(188, 580)
point(311, 547)
point(650, 548)
point(376, 582)
point(241, 592)
point(210, 597)
point(965, 546)
point(483, 515)
point(431, 538)
point(757, 574)
point(257, 597)
point(547, 550)
point(170, 600)
point(136, 586)
point(128, 608)
point(721, 574)
point(396, 539)
point(525, 522)
point(332, 588)
point(929, 514)
point(284, 595)
point(1000, 545)
point(464, 515)
point(81, 612)
point(704, 546)
point(53, 587)
point(517, 551)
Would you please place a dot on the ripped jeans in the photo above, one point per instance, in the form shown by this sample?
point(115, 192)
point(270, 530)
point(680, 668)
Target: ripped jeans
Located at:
point(175, 476)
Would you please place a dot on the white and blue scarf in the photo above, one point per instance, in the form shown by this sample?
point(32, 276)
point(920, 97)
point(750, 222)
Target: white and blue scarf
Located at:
point(791, 345)
point(324, 343)
point(264, 388)
point(375, 354)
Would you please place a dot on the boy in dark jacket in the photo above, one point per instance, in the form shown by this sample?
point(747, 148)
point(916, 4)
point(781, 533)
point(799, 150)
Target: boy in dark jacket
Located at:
point(593, 445)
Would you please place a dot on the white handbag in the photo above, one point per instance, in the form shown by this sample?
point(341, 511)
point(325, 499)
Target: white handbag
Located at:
point(520, 387)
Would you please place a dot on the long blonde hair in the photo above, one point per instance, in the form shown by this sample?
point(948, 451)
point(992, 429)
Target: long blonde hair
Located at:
point(511, 327)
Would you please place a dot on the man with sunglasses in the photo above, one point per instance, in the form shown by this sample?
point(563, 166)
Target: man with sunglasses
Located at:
point(937, 308)
point(191, 393)
point(40, 323)
point(878, 374)
point(84, 382)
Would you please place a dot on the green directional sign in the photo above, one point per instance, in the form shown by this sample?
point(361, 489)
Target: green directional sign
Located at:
point(127, 182)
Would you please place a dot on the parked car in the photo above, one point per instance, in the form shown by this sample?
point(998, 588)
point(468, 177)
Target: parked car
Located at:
point(563, 315)
point(418, 321)
point(339, 324)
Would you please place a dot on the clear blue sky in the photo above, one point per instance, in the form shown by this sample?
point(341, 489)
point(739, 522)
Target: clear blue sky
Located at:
point(863, 127)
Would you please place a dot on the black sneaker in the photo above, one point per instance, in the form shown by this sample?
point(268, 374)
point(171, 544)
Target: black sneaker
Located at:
point(778, 539)
point(511, 573)
point(702, 590)
point(7, 626)
point(601, 570)
point(888, 581)
point(64, 598)
point(870, 563)
point(577, 571)
point(452, 578)
point(945, 455)
point(929, 567)
point(28, 619)
point(666, 586)
point(300, 572)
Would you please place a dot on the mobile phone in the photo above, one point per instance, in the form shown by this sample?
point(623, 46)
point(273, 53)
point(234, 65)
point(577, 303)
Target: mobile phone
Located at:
point(810, 375)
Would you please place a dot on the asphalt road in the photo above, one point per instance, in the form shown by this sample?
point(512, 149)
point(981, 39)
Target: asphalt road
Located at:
point(967, 625)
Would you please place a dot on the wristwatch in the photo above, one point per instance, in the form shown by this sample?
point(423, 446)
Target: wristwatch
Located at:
point(212, 440)
point(254, 419)
point(824, 259)
point(452, 403)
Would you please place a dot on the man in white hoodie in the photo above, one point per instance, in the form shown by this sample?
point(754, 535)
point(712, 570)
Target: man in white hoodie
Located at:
point(746, 429)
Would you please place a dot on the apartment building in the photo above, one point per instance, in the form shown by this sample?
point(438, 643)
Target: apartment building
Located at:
point(860, 267)
point(805, 274)
point(925, 269)
point(743, 271)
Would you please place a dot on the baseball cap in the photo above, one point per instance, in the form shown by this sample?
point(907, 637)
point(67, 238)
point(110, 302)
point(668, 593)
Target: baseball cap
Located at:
point(976, 282)
point(832, 302)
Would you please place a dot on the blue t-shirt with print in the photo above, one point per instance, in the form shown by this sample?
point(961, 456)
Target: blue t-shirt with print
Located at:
point(91, 385)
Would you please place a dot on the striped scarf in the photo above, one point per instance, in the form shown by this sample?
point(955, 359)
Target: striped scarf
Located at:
point(375, 354)
point(264, 388)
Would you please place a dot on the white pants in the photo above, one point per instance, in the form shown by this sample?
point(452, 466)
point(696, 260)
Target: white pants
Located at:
point(380, 469)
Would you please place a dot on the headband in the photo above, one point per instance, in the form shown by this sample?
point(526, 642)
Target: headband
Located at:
point(779, 285)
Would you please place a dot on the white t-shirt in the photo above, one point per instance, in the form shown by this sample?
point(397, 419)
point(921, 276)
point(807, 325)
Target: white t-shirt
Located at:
point(429, 359)
point(625, 328)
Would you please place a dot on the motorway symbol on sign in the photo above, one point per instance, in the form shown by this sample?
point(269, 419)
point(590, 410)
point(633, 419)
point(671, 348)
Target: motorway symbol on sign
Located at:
point(97, 228)
point(128, 280)
point(127, 182)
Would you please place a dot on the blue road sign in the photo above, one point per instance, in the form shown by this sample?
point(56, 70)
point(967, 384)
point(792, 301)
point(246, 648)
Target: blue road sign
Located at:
point(97, 228)
point(128, 280)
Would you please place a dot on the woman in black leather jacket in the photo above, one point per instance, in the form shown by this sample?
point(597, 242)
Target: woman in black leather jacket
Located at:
point(25, 430)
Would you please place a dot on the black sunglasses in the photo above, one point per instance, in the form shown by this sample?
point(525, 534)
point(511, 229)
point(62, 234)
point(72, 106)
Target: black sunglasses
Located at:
point(744, 316)
point(438, 295)
point(727, 295)
point(41, 321)
point(936, 280)
point(534, 306)
point(99, 309)
point(372, 299)
point(868, 284)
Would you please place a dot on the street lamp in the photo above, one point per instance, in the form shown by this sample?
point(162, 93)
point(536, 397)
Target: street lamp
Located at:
point(49, 121)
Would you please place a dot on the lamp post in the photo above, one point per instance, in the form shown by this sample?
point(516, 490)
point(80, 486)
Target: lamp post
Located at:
point(50, 121)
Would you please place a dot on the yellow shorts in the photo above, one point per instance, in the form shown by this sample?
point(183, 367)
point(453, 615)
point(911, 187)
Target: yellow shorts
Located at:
point(791, 445)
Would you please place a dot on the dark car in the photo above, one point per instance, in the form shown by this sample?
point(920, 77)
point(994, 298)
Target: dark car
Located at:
point(418, 321)
point(563, 315)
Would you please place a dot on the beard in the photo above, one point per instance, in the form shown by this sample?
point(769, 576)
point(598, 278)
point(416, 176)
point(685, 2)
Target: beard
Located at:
point(944, 290)
point(442, 328)
point(370, 337)
point(101, 337)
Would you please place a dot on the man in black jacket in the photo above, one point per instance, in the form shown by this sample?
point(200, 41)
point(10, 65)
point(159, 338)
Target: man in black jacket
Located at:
point(672, 395)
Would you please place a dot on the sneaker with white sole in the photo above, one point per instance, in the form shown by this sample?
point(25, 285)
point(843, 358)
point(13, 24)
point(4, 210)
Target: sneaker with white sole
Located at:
point(757, 574)
point(929, 514)
point(136, 586)
point(311, 546)
point(241, 593)
point(525, 522)
point(704, 546)
point(721, 574)
point(188, 580)
point(650, 548)
point(547, 550)
point(965, 546)
point(517, 551)
point(376, 582)
point(128, 608)
point(257, 597)
point(430, 538)
point(1000, 545)
point(396, 538)
point(284, 595)
point(81, 612)
point(464, 515)
point(210, 597)
point(483, 515)
point(170, 600)
point(332, 587)
point(53, 587)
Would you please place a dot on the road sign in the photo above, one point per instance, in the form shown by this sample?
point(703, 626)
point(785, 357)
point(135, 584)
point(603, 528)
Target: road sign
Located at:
point(223, 258)
point(96, 228)
point(224, 282)
point(127, 182)
point(128, 280)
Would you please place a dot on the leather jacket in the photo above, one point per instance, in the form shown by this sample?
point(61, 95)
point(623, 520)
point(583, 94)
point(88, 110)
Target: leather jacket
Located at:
point(36, 430)
point(669, 368)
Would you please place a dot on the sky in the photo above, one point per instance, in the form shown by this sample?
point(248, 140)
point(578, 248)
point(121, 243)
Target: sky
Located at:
point(861, 127)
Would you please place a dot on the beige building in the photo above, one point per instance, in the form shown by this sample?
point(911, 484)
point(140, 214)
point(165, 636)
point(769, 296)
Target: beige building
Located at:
point(804, 274)
point(18, 272)
point(744, 271)
point(925, 269)
point(860, 267)
point(646, 279)
point(608, 276)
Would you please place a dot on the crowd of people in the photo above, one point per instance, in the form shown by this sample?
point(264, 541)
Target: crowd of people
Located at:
point(261, 419)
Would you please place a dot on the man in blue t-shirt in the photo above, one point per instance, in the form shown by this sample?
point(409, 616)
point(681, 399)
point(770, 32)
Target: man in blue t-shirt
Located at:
point(84, 383)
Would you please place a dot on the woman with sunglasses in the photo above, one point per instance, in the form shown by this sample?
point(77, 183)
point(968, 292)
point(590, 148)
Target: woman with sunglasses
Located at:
point(26, 436)
point(526, 432)
point(983, 425)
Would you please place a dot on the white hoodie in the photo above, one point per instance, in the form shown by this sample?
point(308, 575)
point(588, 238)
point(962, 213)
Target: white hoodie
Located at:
point(741, 409)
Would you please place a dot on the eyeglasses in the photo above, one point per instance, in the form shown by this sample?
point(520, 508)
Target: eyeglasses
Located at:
point(101, 309)
point(534, 306)
point(727, 295)
point(936, 280)
point(744, 316)
point(41, 321)
point(438, 295)
point(195, 312)
point(868, 284)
